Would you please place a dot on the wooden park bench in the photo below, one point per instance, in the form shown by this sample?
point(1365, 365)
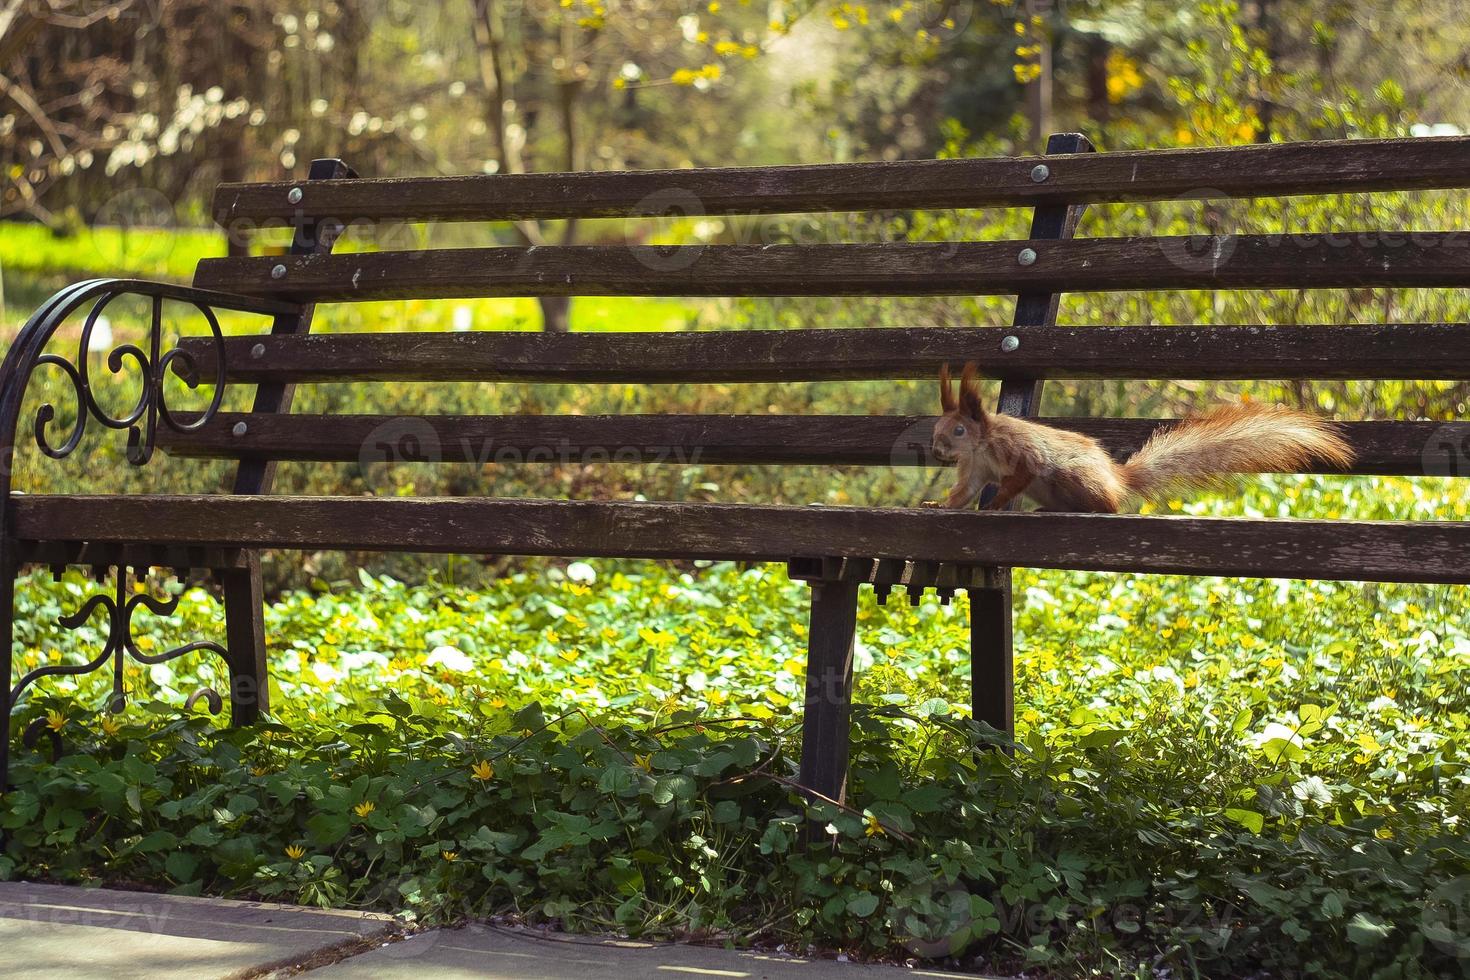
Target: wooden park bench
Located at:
point(836, 549)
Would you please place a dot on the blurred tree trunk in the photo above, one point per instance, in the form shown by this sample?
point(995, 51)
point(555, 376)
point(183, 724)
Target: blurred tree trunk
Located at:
point(1270, 43)
point(498, 81)
point(1039, 94)
point(1099, 104)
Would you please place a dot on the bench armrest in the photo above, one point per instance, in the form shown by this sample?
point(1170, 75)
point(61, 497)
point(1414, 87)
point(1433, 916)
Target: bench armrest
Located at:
point(28, 352)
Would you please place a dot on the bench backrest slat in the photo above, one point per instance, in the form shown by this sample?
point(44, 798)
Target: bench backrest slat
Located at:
point(1396, 351)
point(829, 440)
point(1272, 170)
point(1425, 259)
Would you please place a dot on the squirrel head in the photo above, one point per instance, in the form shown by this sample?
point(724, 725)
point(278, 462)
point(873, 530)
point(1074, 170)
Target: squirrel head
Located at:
point(964, 425)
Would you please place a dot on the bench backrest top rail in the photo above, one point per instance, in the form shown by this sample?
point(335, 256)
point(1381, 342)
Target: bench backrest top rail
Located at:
point(1270, 170)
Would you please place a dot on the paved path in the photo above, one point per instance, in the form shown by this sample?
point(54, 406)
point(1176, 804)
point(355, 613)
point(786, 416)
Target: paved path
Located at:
point(59, 932)
point(482, 952)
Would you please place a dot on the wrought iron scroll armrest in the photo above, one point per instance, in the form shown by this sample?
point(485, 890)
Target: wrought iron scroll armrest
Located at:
point(28, 352)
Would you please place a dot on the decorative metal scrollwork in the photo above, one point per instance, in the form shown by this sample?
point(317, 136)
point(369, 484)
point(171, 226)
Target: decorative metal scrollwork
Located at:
point(153, 365)
point(120, 607)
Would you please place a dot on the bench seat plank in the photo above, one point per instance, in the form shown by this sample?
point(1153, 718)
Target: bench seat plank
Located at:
point(1271, 170)
point(1383, 448)
point(1348, 259)
point(1424, 551)
point(1395, 351)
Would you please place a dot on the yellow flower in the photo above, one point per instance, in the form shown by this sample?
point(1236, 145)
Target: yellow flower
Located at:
point(449, 855)
point(364, 808)
point(258, 770)
point(295, 852)
point(483, 771)
point(874, 828)
point(644, 762)
point(55, 720)
point(111, 726)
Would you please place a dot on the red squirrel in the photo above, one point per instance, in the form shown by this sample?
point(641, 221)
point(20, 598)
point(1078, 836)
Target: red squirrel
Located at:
point(1067, 471)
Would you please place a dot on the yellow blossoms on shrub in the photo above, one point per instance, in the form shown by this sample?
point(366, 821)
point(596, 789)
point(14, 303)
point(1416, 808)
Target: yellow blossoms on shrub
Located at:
point(111, 726)
point(364, 808)
point(295, 852)
point(55, 720)
point(483, 771)
point(874, 827)
point(449, 855)
point(691, 76)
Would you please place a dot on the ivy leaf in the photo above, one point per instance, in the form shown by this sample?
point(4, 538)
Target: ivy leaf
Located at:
point(1249, 819)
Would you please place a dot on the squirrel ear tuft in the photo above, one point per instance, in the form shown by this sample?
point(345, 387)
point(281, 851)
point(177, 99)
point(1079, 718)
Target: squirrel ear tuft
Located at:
point(970, 393)
point(946, 390)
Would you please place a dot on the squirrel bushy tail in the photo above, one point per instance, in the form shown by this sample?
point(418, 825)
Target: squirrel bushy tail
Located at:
point(1247, 438)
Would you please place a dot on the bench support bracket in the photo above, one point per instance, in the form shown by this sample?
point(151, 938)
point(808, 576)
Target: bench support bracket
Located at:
point(991, 664)
point(244, 593)
point(835, 584)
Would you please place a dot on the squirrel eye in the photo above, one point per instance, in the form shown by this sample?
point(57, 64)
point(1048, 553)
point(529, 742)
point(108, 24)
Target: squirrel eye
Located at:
point(959, 430)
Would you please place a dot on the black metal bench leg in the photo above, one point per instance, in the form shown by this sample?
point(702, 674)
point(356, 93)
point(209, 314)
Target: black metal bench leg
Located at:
point(829, 688)
point(245, 641)
point(992, 679)
point(7, 631)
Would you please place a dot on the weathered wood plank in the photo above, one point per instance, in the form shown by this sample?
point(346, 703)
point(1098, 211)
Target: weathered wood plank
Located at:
point(1408, 351)
point(131, 555)
point(1423, 259)
point(1273, 170)
point(1408, 551)
point(1404, 448)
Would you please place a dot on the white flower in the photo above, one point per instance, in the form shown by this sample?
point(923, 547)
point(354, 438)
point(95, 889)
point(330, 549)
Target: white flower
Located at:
point(452, 658)
point(1312, 788)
